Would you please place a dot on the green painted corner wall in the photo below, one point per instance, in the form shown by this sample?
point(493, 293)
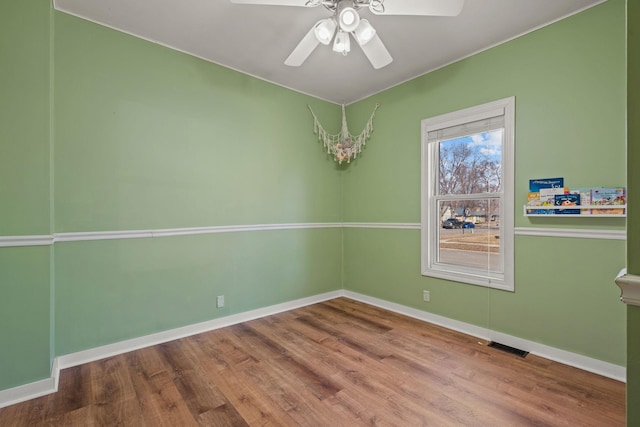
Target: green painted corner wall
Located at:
point(569, 80)
point(110, 291)
point(24, 315)
point(633, 227)
point(129, 135)
point(24, 191)
point(150, 138)
point(24, 118)
point(147, 138)
point(167, 140)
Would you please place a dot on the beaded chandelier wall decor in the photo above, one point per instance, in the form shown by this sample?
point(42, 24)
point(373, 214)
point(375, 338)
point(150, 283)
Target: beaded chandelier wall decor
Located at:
point(343, 146)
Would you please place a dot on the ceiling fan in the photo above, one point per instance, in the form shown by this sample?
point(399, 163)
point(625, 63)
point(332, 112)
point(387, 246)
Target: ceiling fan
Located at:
point(345, 20)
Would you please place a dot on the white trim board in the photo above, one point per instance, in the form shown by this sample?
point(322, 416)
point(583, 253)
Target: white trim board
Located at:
point(47, 240)
point(16, 241)
point(29, 391)
point(388, 225)
point(50, 385)
point(97, 353)
point(32, 240)
point(578, 233)
point(166, 232)
point(585, 363)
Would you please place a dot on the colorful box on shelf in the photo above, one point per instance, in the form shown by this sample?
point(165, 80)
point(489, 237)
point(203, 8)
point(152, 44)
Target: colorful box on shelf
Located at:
point(609, 201)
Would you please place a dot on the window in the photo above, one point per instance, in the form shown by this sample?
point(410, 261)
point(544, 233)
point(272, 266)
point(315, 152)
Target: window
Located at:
point(467, 195)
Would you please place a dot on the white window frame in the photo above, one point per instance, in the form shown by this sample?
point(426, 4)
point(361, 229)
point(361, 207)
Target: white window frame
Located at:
point(430, 216)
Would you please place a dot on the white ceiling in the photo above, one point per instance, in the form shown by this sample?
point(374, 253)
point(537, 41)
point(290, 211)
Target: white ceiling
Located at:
point(257, 39)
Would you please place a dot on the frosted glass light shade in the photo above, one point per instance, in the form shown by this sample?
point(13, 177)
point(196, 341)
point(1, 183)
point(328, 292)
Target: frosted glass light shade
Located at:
point(365, 32)
point(342, 44)
point(348, 18)
point(325, 30)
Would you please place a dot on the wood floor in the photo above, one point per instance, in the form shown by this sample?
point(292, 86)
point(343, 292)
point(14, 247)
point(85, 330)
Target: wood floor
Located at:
point(337, 363)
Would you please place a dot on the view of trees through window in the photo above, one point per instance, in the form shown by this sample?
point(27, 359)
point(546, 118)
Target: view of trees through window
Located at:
point(469, 188)
point(471, 164)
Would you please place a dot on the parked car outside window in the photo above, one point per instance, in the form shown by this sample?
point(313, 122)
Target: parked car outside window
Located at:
point(452, 223)
point(456, 223)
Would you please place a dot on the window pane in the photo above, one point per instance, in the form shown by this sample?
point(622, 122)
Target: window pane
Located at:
point(469, 235)
point(471, 164)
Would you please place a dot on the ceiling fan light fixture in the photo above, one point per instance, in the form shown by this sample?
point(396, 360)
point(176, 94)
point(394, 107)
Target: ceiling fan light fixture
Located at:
point(364, 33)
point(342, 44)
point(345, 20)
point(325, 29)
point(347, 16)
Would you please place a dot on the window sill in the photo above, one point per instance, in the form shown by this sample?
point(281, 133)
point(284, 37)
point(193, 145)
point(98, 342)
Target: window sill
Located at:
point(469, 279)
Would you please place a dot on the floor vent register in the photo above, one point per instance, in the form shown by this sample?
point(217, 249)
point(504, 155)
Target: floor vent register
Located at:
point(508, 349)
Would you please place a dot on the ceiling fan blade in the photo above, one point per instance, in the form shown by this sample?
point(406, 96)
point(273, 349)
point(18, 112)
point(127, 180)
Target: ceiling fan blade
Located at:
point(277, 2)
point(376, 52)
point(421, 7)
point(308, 43)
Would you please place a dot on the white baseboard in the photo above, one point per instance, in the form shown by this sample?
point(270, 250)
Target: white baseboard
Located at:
point(589, 364)
point(579, 361)
point(97, 353)
point(27, 392)
point(50, 385)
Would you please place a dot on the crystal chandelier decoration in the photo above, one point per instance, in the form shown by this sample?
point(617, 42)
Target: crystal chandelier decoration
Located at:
point(343, 146)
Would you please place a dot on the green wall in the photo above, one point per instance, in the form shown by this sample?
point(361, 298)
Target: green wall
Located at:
point(24, 315)
point(150, 138)
point(24, 118)
point(633, 228)
point(109, 291)
point(129, 135)
point(24, 191)
point(569, 84)
point(161, 139)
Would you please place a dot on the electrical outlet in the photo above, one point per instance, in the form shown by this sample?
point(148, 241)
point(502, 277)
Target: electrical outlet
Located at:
point(220, 301)
point(426, 296)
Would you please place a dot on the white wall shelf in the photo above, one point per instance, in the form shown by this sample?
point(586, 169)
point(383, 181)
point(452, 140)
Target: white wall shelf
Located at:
point(581, 215)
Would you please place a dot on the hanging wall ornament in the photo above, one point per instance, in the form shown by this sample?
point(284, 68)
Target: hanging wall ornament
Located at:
point(344, 146)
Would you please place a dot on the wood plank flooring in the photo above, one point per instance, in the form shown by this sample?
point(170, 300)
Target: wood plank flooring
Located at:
point(337, 363)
